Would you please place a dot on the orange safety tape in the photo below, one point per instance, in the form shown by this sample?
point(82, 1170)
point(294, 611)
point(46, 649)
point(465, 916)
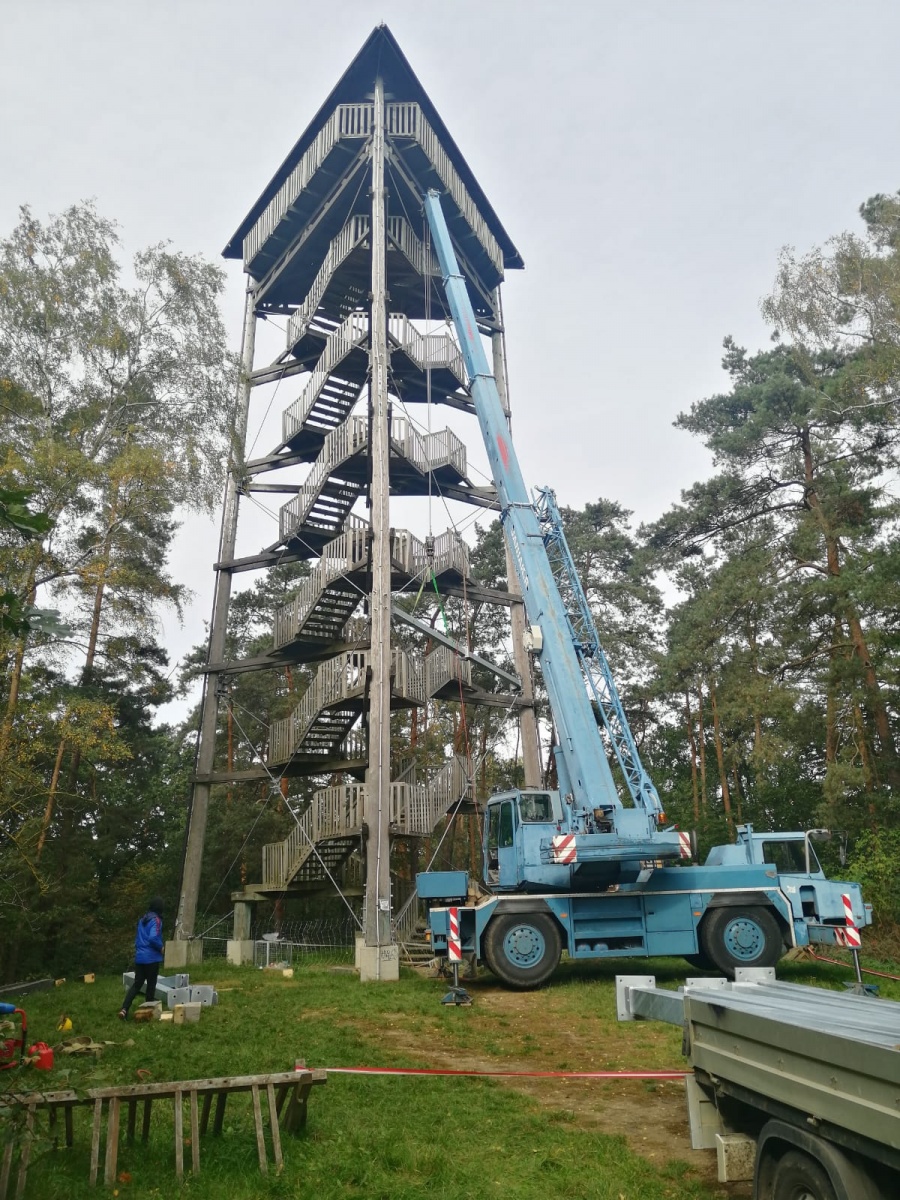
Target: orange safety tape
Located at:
point(507, 1074)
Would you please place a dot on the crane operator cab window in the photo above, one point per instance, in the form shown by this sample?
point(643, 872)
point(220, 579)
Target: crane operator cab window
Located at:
point(500, 836)
point(790, 857)
point(536, 806)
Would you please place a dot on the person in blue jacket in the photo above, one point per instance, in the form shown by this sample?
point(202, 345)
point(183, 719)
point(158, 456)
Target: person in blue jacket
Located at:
point(148, 954)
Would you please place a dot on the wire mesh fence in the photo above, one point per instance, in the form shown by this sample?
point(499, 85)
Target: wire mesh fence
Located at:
point(330, 941)
point(319, 939)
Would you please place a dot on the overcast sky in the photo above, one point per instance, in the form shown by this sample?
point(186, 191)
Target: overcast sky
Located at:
point(649, 159)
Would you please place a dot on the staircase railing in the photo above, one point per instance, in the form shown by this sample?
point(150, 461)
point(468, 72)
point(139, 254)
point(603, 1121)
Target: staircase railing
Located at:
point(428, 451)
point(356, 121)
point(341, 678)
point(335, 811)
point(354, 232)
point(347, 121)
point(442, 666)
point(352, 332)
point(342, 443)
point(427, 349)
point(401, 234)
point(346, 553)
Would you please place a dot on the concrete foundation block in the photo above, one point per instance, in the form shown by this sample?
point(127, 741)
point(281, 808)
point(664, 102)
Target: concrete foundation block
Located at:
point(378, 963)
point(239, 951)
point(735, 1156)
point(186, 1014)
point(180, 954)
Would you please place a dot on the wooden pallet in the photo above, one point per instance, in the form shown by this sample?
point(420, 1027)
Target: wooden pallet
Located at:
point(286, 1094)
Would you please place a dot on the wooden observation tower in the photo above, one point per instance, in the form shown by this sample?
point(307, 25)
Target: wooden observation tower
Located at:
point(336, 251)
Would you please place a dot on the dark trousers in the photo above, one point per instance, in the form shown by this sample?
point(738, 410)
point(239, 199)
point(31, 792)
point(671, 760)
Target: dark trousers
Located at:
point(144, 973)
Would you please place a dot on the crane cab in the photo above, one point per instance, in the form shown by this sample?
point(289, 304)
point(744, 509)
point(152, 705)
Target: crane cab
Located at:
point(517, 829)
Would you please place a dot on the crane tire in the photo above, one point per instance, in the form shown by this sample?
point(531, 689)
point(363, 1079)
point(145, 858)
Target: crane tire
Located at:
point(522, 950)
point(736, 936)
point(799, 1177)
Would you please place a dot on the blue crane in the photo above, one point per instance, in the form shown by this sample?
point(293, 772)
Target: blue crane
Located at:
point(581, 870)
point(572, 662)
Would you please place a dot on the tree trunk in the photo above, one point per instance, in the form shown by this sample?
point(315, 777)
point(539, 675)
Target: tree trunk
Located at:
point(869, 774)
point(738, 793)
point(857, 637)
point(693, 747)
point(831, 702)
point(51, 796)
point(16, 676)
point(720, 759)
point(87, 671)
point(701, 738)
point(483, 756)
point(12, 700)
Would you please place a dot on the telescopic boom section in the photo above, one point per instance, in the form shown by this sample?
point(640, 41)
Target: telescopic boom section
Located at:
point(584, 774)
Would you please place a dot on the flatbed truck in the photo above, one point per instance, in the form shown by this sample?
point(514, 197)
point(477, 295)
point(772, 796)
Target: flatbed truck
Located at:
point(796, 1087)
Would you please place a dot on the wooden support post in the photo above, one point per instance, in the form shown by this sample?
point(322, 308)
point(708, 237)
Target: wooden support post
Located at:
point(204, 1116)
point(199, 807)
point(530, 738)
point(95, 1141)
point(179, 1137)
point(145, 1124)
point(260, 1136)
point(220, 1112)
point(6, 1168)
point(132, 1121)
point(195, 1135)
point(25, 1153)
point(273, 1124)
point(378, 773)
point(67, 1116)
point(112, 1141)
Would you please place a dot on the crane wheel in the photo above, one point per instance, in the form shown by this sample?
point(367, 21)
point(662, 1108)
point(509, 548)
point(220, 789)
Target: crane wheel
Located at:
point(522, 950)
point(732, 937)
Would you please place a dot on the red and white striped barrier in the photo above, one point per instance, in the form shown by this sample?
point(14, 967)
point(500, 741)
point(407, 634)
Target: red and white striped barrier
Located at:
point(563, 849)
point(454, 944)
point(684, 845)
point(850, 931)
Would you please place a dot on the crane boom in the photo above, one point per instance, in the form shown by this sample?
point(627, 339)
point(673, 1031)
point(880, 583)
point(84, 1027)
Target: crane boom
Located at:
point(591, 655)
point(585, 778)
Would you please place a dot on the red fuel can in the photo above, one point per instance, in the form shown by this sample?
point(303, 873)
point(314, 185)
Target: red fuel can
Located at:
point(43, 1056)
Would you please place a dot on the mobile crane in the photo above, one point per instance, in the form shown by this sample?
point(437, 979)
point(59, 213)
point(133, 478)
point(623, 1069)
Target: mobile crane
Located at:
point(577, 867)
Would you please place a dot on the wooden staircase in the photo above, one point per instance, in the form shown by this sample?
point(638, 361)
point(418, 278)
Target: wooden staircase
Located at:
point(330, 829)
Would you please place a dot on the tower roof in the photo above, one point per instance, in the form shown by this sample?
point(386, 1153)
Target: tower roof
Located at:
point(380, 55)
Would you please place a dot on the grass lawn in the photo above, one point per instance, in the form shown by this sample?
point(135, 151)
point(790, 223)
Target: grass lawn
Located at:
point(397, 1138)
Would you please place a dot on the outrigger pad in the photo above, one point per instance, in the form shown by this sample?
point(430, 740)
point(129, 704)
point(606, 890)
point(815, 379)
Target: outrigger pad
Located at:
point(457, 995)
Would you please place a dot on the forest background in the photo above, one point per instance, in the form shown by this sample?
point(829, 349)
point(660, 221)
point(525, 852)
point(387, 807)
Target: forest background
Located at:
point(753, 629)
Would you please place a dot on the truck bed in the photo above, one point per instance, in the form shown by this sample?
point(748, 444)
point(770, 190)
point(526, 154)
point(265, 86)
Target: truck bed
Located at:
point(832, 1056)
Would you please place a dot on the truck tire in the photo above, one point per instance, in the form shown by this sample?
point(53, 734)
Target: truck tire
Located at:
point(734, 937)
point(799, 1177)
point(523, 951)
